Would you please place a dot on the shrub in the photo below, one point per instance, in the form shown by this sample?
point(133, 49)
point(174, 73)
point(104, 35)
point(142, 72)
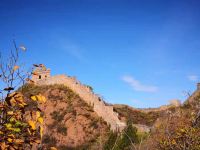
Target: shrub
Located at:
point(94, 123)
point(124, 140)
point(111, 141)
point(62, 129)
point(183, 138)
point(30, 89)
point(56, 115)
point(49, 140)
point(128, 137)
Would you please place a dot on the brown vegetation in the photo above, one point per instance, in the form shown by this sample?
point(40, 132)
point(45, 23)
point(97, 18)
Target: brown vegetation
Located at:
point(177, 131)
point(138, 116)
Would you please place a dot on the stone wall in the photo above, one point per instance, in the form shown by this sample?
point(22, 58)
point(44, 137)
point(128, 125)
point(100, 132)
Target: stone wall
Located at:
point(100, 107)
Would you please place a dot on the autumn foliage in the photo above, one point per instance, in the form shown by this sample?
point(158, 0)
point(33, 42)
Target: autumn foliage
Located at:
point(19, 128)
point(16, 131)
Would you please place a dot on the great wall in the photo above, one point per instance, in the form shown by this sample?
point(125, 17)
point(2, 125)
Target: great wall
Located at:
point(41, 76)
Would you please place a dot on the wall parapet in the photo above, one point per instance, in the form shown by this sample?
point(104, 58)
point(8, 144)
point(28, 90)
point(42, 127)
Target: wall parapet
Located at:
point(100, 107)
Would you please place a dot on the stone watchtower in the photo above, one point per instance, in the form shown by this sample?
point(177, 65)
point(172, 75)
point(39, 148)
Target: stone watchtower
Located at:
point(40, 73)
point(198, 86)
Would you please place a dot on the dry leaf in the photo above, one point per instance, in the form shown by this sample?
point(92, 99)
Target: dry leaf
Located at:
point(40, 120)
point(15, 68)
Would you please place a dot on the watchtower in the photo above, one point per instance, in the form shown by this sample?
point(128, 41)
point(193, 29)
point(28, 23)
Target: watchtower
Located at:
point(40, 73)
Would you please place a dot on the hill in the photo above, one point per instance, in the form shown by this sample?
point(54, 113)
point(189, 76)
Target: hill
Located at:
point(69, 121)
point(139, 116)
point(178, 129)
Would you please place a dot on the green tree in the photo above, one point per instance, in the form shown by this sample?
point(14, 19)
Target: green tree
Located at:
point(128, 138)
point(111, 141)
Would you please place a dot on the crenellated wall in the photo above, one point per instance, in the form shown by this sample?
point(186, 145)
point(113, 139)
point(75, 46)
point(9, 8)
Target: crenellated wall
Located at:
point(100, 107)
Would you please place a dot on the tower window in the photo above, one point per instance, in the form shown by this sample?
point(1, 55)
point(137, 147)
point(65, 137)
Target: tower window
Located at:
point(40, 77)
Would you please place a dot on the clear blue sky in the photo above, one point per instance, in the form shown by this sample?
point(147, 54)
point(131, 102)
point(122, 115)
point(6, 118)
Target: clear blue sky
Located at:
point(137, 52)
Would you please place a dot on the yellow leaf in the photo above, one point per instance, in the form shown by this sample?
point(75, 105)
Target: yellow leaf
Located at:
point(12, 119)
point(8, 125)
point(41, 132)
point(13, 101)
point(22, 104)
point(37, 114)
point(10, 113)
point(182, 130)
point(1, 132)
point(16, 129)
point(11, 135)
point(15, 68)
point(34, 98)
point(40, 120)
point(32, 124)
point(53, 148)
point(9, 140)
point(41, 98)
point(19, 99)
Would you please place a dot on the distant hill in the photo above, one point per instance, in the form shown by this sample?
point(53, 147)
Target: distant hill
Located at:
point(138, 116)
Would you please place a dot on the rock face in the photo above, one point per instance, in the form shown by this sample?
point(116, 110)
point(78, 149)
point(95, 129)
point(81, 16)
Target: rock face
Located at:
point(100, 107)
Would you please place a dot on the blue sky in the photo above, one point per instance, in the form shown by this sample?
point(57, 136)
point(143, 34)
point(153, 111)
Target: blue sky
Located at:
point(137, 52)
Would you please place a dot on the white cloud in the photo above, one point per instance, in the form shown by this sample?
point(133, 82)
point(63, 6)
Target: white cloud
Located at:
point(137, 86)
point(192, 77)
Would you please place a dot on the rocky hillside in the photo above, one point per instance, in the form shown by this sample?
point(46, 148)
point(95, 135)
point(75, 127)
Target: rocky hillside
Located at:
point(70, 123)
point(171, 127)
point(178, 129)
